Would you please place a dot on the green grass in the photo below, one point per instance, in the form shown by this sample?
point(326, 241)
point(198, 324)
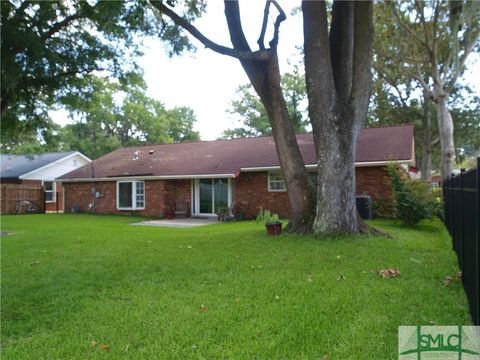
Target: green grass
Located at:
point(68, 280)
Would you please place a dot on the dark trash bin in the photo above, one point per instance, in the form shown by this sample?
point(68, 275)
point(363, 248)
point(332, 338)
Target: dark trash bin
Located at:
point(364, 206)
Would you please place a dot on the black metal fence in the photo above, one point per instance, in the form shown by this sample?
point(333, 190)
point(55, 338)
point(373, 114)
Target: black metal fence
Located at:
point(461, 194)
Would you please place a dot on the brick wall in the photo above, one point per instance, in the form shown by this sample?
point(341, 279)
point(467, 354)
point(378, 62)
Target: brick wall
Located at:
point(374, 181)
point(52, 206)
point(251, 193)
point(159, 194)
point(251, 190)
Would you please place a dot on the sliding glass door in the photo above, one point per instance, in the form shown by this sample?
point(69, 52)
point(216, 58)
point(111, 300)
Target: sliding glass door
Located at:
point(210, 195)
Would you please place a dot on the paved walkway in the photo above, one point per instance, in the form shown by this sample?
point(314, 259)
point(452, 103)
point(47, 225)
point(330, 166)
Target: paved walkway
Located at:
point(179, 222)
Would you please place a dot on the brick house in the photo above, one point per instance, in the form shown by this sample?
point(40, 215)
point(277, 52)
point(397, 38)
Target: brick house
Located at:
point(41, 170)
point(208, 175)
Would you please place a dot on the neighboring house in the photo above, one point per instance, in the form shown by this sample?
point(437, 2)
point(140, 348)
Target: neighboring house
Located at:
point(436, 181)
point(149, 180)
point(42, 169)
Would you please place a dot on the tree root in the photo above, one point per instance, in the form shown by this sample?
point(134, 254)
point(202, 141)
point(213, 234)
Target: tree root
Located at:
point(302, 226)
point(364, 228)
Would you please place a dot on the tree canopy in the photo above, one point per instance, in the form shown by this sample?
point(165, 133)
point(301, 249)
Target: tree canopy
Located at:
point(107, 116)
point(432, 41)
point(49, 49)
point(253, 115)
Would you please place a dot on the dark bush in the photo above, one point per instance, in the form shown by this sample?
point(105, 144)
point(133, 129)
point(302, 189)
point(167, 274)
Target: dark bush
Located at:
point(412, 200)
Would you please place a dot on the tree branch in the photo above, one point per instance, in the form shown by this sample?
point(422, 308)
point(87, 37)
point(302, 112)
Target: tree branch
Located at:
point(468, 49)
point(243, 54)
point(261, 38)
point(341, 47)
point(318, 63)
point(420, 8)
point(60, 25)
point(280, 18)
point(237, 36)
point(362, 57)
point(406, 27)
point(421, 81)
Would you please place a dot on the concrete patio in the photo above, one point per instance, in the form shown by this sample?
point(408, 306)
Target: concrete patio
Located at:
point(179, 222)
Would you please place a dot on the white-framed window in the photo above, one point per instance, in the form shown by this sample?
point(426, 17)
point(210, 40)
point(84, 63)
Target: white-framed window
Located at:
point(130, 195)
point(50, 191)
point(276, 182)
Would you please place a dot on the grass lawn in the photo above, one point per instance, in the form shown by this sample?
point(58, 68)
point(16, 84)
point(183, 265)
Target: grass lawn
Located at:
point(84, 286)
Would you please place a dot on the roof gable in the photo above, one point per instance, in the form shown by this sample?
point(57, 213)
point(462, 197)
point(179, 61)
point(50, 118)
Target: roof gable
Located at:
point(17, 166)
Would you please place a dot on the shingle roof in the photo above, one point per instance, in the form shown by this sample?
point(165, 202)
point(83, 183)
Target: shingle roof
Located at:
point(13, 166)
point(229, 156)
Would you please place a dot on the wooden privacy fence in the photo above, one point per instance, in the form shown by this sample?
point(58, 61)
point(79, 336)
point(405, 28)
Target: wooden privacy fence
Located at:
point(461, 195)
point(12, 196)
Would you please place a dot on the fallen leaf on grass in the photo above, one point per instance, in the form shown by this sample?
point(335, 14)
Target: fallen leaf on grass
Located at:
point(93, 343)
point(203, 308)
point(389, 273)
point(104, 347)
point(447, 280)
point(341, 277)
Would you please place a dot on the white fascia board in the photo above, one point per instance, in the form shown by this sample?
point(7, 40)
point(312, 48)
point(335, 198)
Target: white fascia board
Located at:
point(314, 166)
point(55, 162)
point(160, 177)
point(383, 163)
point(86, 158)
point(271, 168)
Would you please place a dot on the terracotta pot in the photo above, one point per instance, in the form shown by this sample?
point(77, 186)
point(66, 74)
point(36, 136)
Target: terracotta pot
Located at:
point(274, 229)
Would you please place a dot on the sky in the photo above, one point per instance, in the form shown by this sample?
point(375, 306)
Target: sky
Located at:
point(206, 81)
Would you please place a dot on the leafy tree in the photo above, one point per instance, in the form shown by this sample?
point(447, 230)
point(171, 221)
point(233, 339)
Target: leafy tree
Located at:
point(255, 119)
point(181, 122)
point(103, 124)
point(49, 49)
point(434, 44)
point(35, 141)
point(337, 71)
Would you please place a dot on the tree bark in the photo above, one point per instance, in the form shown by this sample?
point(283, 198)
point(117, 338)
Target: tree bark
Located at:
point(445, 132)
point(4, 104)
point(427, 140)
point(338, 93)
point(265, 79)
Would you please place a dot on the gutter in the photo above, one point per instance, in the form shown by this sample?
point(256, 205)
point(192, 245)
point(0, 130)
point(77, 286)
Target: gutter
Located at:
point(215, 176)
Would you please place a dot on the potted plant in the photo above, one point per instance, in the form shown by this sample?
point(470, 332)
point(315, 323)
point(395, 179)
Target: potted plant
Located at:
point(272, 222)
point(169, 213)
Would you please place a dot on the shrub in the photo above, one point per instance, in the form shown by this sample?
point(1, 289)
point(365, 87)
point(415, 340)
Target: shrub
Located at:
point(412, 201)
point(383, 208)
point(267, 217)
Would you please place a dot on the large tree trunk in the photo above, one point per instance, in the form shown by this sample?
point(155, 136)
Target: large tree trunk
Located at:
point(4, 104)
point(427, 140)
point(445, 132)
point(265, 78)
point(299, 187)
point(336, 207)
point(337, 71)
